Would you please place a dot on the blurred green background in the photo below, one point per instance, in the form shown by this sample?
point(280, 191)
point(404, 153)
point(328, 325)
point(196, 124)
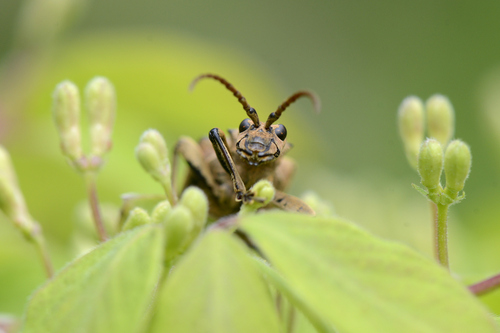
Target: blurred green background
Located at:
point(361, 57)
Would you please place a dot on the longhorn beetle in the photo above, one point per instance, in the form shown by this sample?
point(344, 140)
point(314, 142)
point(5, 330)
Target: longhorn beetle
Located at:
point(226, 167)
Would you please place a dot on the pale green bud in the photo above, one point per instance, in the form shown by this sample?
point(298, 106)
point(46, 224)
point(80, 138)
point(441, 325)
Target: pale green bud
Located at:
point(457, 162)
point(101, 105)
point(440, 119)
point(264, 193)
point(154, 137)
point(430, 164)
point(161, 211)
point(150, 160)
point(196, 201)
point(66, 114)
point(11, 199)
point(136, 218)
point(321, 207)
point(411, 127)
point(178, 228)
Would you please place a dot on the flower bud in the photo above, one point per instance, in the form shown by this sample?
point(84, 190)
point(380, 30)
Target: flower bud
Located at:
point(136, 218)
point(66, 114)
point(457, 162)
point(178, 228)
point(430, 164)
point(320, 206)
point(411, 127)
point(196, 201)
point(154, 137)
point(440, 119)
point(101, 105)
point(264, 193)
point(161, 211)
point(11, 199)
point(150, 160)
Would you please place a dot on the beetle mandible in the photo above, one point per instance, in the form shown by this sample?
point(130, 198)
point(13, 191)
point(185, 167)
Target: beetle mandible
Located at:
point(225, 168)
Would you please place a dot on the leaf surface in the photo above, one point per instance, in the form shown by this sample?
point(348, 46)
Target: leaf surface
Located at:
point(346, 280)
point(215, 288)
point(106, 290)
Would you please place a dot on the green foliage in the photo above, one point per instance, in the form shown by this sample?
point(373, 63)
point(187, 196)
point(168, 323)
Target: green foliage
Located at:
point(215, 288)
point(107, 290)
point(341, 278)
point(344, 279)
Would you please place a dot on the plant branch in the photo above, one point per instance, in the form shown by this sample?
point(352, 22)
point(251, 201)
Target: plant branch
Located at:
point(485, 286)
point(90, 180)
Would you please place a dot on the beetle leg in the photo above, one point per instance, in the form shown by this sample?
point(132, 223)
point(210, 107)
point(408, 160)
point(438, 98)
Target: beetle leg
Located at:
point(219, 142)
point(290, 203)
point(193, 154)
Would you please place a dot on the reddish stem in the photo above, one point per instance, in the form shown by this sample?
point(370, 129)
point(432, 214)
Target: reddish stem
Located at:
point(94, 206)
point(485, 286)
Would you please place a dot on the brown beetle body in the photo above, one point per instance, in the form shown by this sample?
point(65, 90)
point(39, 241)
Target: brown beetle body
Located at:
point(226, 167)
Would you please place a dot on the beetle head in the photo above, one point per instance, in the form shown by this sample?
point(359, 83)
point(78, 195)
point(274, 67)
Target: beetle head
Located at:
point(260, 142)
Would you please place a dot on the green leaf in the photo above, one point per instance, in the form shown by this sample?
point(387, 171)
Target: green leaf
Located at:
point(106, 290)
point(215, 288)
point(346, 280)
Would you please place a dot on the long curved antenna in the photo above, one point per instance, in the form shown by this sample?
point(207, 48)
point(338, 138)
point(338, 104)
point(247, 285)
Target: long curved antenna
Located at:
point(252, 114)
point(277, 114)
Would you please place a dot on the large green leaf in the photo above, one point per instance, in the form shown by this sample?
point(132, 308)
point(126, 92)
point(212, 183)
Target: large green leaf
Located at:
point(106, 290)
point(346, 280)
point(215, 288)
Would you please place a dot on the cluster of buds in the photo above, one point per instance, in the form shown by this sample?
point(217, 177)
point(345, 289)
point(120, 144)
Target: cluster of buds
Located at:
point(100, 100)
point(436, 153)
point(152, 154)
point(182, 222)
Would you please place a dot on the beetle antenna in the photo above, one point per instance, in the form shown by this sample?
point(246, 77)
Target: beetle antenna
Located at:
point(252, 114)
point(305, 93)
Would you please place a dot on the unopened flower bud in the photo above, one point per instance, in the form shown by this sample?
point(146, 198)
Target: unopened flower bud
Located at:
point(430, 164)
point(178, 227)
point(440, 119)
point(154, 137)
point(320, 206)
point(150, 160)
point(263, 193)
point(101, 105)
point(196, 201)
point(457, 162)
point(161, 211)
point(136, 218)
point(66, 114)
point(411, 127)
point(11, 199)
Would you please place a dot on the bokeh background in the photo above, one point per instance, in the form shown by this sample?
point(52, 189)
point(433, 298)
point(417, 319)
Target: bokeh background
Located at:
point(361, 57)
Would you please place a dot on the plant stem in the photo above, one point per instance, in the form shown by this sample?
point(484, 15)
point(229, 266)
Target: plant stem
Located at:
point(90, 180)
point(171, 195)
point(441, 234)
point(434, 213)
point(44, 254)
point(485, 286)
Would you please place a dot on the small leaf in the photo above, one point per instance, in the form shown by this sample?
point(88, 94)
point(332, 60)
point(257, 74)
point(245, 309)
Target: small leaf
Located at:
point(346, 280)
point(106, 290)
point(215, 288)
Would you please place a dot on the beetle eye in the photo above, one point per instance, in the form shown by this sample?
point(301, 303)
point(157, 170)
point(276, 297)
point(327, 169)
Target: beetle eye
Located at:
point(245, 124)
point(280, 131)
